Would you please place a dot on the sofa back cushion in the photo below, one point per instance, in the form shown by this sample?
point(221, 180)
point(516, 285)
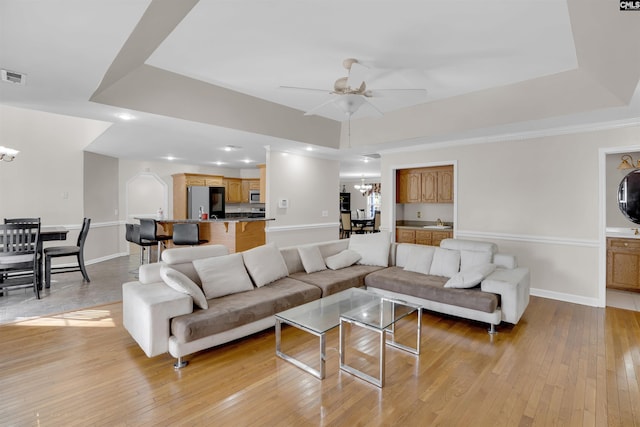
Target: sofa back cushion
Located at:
point(312, 259)
point(469, 245)
point(265, 264)
point(420, 258)
point(181, 283)
point(292, 256)
point(223, 275)
point(373, 248)
point(180, 259)
point(446, 262)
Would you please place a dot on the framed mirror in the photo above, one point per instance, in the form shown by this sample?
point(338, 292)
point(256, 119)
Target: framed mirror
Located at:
point(629, 196)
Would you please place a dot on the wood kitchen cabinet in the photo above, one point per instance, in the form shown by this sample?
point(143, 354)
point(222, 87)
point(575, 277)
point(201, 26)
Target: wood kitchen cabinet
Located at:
point(183, 180)
point(421, 237)
point(249, 184)
point(623, 264)
point(425, 185)
point(233, 190)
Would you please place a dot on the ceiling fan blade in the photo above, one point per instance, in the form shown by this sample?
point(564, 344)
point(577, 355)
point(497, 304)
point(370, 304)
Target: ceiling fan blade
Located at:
point(357, 75)
point(317, 108)
point(370, 104)
point(387, 92)
point(306, 89)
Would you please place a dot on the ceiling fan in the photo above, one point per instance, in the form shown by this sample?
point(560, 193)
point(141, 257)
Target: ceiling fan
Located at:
point(350, 93)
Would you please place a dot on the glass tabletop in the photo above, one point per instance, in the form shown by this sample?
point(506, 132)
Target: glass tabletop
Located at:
point(323, 314)
point(381, 313)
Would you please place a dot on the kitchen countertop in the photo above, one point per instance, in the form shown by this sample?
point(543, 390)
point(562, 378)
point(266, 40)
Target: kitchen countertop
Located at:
point(424, 225)
point(175, 221)
point(622, 233)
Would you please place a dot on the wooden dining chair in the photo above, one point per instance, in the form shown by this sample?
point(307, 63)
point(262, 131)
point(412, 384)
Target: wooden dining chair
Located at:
point(375, 227)
point(347, 227)
point(65, 251)
point(19, 264)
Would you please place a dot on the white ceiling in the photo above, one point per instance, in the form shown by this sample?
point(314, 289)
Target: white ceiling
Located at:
point(454, 50)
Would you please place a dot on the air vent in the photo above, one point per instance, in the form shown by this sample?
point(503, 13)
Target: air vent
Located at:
point(372, 156)
point(13, 77)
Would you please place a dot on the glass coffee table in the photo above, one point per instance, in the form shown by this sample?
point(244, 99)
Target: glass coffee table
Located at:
point(352, 305)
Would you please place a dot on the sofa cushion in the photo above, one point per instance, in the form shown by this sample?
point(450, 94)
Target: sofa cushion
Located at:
point(333, 281)
point(181, 283)
point(311, 258)
point(396, 279)
point(265, 264)
point(470, 277)
point(373, 248)
point(420, 258)
point(446, 262)
point(239, 309)
point(342, 259)
point(223, 275)
point(470, 259)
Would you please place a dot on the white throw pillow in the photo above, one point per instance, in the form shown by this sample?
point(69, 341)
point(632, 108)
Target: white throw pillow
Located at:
point(446, 262)
point(470, 277)
point(265, 264)
point(373, 248)
point(311, 258)
point(222, 275)
point(419, 259)
point(469, 259)
point(342, 259)
point(181, 283)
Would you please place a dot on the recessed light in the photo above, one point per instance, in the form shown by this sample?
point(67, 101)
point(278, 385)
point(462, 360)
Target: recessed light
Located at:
point(125, 116)
point(219, 163)
point(231, 148)
point(170, 157)
point(309, 148)
point(366, 160)
point(247, 161)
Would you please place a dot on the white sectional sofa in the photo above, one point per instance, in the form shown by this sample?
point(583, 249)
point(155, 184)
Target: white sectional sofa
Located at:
point(201, 297)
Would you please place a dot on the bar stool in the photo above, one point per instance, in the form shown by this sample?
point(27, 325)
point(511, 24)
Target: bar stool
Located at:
point(149, 231)
point(132, 234)
point(187, 234)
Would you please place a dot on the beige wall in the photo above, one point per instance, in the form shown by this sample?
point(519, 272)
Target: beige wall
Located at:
point(311, 186)
point(537, 198)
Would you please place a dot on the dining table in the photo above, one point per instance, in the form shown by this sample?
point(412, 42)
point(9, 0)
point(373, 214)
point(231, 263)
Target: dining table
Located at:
point(359, 224)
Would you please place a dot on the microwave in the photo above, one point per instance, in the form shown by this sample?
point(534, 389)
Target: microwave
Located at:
point(254, 196)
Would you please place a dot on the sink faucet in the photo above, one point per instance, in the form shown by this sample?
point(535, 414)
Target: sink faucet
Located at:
point(439, 222)
point(636, 231)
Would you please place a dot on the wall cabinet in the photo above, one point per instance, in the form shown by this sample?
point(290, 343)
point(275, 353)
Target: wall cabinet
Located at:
point(183, 180)
point(422, 237)
point(623, 264)
point(425, 185)
point(233, 190)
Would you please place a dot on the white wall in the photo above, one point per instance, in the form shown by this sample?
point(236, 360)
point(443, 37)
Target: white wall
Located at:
point(537, 198)
point(311, 187)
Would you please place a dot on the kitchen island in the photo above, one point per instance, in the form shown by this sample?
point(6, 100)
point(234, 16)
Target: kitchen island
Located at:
point(237, 234)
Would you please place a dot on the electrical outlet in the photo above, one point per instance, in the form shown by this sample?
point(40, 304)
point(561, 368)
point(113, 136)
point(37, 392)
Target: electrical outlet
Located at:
point(325, 213)
point(419, 214)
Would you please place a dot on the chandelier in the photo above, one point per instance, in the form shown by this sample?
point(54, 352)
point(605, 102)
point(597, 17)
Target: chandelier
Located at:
point(362, 187)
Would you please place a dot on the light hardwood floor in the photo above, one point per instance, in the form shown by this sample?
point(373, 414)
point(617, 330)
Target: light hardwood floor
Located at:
point(564, 364)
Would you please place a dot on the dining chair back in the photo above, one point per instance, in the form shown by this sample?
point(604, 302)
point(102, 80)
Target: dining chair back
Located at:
point(22, 220)
point(187, 234)
point(375, 227)
point(65, 251)
point(19, 255)
point(345, 220)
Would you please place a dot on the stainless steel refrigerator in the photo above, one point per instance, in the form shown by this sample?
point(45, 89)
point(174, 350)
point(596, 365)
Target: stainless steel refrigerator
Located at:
point(211, 199)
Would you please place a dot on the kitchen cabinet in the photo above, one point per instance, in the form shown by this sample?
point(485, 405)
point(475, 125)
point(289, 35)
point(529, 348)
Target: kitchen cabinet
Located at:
point(623, 264)
point(421, 237)
point(233, 190)
point(183, 180)
point(425, 185)
point(248, 184)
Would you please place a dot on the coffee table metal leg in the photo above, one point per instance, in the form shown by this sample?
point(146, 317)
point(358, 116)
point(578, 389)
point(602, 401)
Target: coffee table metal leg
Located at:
point(418, 334)
point(323, 354)
point(375, 381)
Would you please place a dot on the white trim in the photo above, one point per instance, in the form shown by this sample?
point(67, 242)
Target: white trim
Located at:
point(560, 296)
point(298, 227)
point(529, 238)
point(422, 144)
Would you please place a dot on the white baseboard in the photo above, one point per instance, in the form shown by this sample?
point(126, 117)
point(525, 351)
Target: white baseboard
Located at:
point(560, 296)
point(95, 260)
